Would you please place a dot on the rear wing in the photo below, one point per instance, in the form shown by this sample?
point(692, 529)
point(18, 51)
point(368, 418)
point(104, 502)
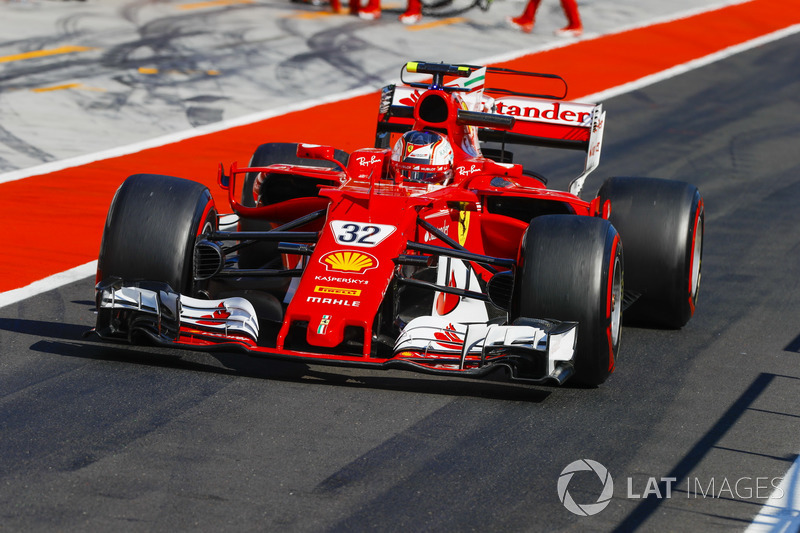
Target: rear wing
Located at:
point(505, 115)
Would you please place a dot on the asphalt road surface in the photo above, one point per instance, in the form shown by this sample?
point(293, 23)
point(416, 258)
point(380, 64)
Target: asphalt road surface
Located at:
point(103, 437)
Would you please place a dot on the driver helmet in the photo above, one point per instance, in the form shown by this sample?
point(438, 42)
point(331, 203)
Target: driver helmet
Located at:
point(423, 157)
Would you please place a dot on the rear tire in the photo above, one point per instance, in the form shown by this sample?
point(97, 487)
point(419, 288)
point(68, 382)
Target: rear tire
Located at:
point(151, 228)
point(661, 223)
point(280, 153)
point(258, 254)
point(571, 269)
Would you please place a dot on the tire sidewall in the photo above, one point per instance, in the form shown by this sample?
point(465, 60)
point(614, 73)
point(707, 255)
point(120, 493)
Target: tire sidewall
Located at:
point(567, 264)
point(151, 228)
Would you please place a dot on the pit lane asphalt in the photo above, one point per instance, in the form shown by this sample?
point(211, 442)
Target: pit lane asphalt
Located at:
point(101, 437)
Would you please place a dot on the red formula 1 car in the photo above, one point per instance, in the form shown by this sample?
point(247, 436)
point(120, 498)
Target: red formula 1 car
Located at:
point(425, 252)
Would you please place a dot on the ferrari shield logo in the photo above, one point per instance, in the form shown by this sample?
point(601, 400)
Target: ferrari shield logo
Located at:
point(463, 227)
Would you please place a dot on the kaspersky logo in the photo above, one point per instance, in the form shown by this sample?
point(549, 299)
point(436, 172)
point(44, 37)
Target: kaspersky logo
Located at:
point(347, 261)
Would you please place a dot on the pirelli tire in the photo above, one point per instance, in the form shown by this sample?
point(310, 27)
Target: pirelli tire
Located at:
point(256, 255)
point(151, 229)
point(571, 269)
point(661, 223)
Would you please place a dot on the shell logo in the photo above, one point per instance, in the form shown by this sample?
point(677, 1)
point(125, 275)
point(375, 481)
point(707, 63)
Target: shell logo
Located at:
point(345, 261)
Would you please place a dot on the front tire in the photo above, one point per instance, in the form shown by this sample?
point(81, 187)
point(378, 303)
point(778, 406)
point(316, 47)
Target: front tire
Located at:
point(151, 229)
point(571, 269)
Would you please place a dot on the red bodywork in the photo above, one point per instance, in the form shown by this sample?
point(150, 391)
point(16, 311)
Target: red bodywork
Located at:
point(364, 233)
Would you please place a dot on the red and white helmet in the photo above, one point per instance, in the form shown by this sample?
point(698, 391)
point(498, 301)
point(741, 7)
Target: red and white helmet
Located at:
point(423, 157)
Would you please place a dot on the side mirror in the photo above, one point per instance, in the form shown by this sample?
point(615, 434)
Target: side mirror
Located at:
point(316, 151)
point(223, 180)
point(502, 169)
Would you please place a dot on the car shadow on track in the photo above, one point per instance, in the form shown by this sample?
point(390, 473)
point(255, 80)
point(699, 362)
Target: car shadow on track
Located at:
point(71, 340)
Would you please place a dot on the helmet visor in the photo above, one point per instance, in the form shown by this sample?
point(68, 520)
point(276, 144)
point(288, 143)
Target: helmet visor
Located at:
point(422, 173)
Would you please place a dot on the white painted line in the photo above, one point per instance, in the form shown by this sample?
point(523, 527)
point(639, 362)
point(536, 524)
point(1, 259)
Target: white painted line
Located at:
point(561, 42)
point(244, 120)
point(171, 138)
point(59, 280)
point(781, 513)
point(47, 284)
point(692, 65)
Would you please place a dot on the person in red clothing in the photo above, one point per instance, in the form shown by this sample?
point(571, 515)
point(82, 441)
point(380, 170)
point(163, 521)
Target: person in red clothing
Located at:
point(372, 10)
point(573, 28)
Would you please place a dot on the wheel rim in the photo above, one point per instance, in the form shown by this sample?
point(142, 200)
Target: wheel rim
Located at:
point(697, 254)
point(616, 301)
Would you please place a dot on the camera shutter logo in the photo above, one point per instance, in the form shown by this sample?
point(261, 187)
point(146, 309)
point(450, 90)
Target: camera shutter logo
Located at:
point(586, 509)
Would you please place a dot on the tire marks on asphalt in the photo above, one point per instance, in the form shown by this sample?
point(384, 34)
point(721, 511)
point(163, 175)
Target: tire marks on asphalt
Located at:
point(23, 147)
point(333, 55)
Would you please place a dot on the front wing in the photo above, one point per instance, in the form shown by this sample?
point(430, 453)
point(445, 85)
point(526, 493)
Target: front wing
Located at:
point(536, 351)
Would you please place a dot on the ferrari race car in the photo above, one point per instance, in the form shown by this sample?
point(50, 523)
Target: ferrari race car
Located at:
point(427, 252)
